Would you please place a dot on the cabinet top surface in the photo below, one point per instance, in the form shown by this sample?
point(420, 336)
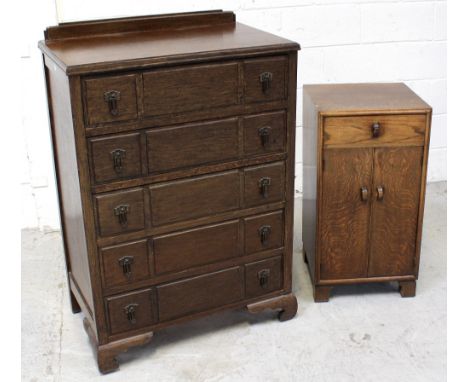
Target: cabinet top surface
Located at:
point(364, 97)
point(105, 45)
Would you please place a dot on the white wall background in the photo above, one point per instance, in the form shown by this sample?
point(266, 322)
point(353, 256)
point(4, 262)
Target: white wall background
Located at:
point(341, 40)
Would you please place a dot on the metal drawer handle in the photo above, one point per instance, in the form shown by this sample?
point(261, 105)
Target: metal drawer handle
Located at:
point(117, 157)
point(121, 212)
point(126, 264)
point(264, 133)
point(376, 130)
point(111, 97)
point(263, 184)
point(264, 233)
point(364, 194)
point(380, 193)
point(263, 277)
point(130, 311)
point(266, 79)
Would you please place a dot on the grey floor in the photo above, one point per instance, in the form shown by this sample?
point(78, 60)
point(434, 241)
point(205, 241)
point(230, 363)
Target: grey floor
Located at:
point(365, 333)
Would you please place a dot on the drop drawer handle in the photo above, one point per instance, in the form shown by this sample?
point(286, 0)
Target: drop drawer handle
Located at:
point(376, 130)
point(263, 277)
point(126, 264)
point(266, 79)
point(380, 193)
point(264, 233)
point(264, 184)
point(117, 157)
point(111, 97)
point(130, 311)
point(121, 212)
point(264, 133)
point(364, 194)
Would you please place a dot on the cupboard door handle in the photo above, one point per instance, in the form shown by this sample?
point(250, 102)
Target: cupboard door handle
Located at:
point(264, 183)
point(121, 212)
point(111, 97)
point(364, 194)
point(263, 277)
point(264, 133)
point(266, 79)
point(117, 157)
point(380, 193)
point(126, 264)
point(376, 130)
point(264, 233)
point(130, 311)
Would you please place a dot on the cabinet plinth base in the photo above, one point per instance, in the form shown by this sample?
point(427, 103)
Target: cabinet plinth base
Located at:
point(286, 304)
point(106, 354)
point(407, 288)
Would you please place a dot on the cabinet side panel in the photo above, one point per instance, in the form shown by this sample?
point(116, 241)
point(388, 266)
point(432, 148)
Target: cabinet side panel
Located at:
point(309, 179)
point(68, 183)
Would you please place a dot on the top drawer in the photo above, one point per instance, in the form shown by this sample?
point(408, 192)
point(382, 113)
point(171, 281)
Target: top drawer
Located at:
point(375, 130)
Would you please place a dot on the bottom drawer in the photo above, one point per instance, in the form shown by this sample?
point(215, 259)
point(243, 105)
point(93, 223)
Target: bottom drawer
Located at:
point(200, 293)
point(263, 276)
point(131, 311)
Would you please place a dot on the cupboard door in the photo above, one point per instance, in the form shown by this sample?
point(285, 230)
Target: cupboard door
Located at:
point(397, 186)
point(344, 216)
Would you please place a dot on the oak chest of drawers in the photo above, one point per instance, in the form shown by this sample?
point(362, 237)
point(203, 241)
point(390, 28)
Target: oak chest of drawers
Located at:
point(365, 161)
point(174, 152)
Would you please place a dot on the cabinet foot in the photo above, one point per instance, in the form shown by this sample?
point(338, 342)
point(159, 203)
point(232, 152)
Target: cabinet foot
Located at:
point(106, 354)
point(322, 293)
point(287, 306)
point(407, 288)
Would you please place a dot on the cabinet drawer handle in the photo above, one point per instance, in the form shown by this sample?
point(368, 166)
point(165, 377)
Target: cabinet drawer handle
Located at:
point(376, 130)
point(126, 264)
point(264, 232)
point(380, 193)
point(364, 194)
point(263, 277)
point(264, 133)
point(121, 212)
point(266, 79)
point(111, 97)
point(117, 157)
point(264, 183)
point(130, 311)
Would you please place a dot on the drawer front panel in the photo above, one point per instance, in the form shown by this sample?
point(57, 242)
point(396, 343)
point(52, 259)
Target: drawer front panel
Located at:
point(264, 184)
point(111, 99)
point(120, 212)
point(375, 130)
point(191, 88)
point(263, 277)
point(192, 145)
point(263, 232)
point(265, 79)
point(200, 293)
point(199, 246)
point(131, 311)
point(126, 263)
point(197, 197)
point(264, 133)
point(116, 158)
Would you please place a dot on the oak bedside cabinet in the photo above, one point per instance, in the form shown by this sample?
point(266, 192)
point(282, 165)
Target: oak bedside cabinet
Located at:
point(365, 160)
point(174, 153)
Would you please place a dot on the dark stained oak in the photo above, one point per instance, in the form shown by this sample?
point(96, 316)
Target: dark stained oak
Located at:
point(174, 149)
point(365, 163)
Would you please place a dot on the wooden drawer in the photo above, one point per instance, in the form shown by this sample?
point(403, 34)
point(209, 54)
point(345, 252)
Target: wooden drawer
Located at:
point(126, 263)
point(265, 79)
point(192, 145)
point(264, 133)
point(121, 211)
point(196, 197)
point(131, 311)
point(190, 88)
point(375, 130)
point(263, 232)
point(263, 277)
point(200, 293)
point(198, 246)
point(111, 99)
point(264, 184)
point(116, 157)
